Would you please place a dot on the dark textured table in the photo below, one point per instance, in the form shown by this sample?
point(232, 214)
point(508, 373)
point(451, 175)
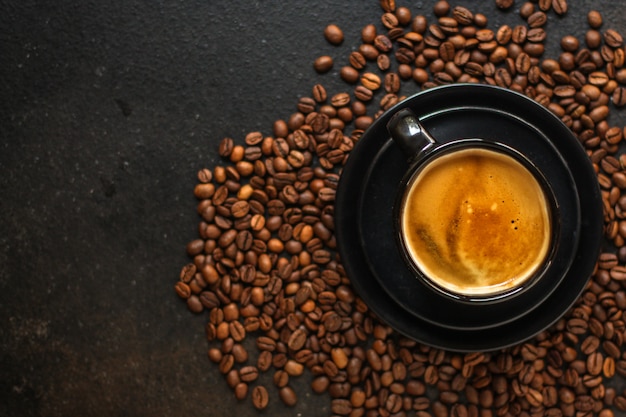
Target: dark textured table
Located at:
point(108, 111)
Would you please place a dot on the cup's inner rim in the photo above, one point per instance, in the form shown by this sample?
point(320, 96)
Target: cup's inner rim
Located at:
point(465, 144)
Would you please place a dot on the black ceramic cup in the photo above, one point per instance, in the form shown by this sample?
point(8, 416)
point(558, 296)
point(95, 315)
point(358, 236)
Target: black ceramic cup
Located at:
point(475, 220)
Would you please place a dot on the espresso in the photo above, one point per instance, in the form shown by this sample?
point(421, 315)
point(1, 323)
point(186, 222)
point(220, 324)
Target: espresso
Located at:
point(476, 222)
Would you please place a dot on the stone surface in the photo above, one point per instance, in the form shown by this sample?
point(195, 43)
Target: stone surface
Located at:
point(108, 111)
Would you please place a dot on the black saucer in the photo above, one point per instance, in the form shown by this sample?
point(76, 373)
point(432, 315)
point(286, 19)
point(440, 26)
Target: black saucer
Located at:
point(364, 223)
point(376, 225)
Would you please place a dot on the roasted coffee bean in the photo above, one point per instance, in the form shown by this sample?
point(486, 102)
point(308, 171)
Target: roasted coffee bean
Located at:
point(319, 94)
point(526, 9)
point(281, 378)
point(253, 153)
point(620, 402)
point(371, 81)
point(297, 339)
point(519, 34)
point(226, 147)
point(593, 39)
point(266, 343)
point(205, 175)
point(383, 62)
point(320, 384)
point(619, 96)
point(594, 18)
point(264, 360)
point(598, 78)
point(536, 35)
point(248, 373)
point(288, 396)
point(208, 299)
point(340, 99)
point(260, 397)
point(183, 290)
point(357, 60)
point(577, 326)
point(382, 44)
point(333, 34)
point(536, 19)
point(188, 272)
point(612, 38)
point(534, 49)
point(349, 74)
point(504, 4)
point(559, 6)
point(341, 407)
point(226, 363)
point(618, 273)
point(237, 331)
point(569, 43)
point(522, 63)
point(447, 51)
point(503, 77)
point(363, 93)
point(370, 52)
point(462, 15)
point(241, 391)
point(595, 362)
point(323, 63)
point(584, 403)
point(504, 34)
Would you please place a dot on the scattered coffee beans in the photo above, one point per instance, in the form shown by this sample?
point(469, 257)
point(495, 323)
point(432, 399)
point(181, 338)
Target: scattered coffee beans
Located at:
point(264, 268)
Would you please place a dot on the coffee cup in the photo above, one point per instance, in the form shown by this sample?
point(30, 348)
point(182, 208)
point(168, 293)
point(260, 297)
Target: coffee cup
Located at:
point(475, 220)
point(435, 126)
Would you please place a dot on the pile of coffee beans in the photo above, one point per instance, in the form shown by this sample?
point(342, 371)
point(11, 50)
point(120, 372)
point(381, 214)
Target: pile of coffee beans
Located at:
point(266, 273)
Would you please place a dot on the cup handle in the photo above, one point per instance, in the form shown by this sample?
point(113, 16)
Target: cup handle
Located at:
point(407, 131)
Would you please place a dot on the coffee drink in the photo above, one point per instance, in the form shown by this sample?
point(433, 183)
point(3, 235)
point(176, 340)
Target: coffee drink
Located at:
point(476, 221)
